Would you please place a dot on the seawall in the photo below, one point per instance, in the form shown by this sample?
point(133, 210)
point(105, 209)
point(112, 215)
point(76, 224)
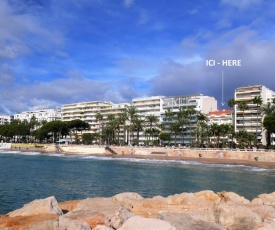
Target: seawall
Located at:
point(247, 155)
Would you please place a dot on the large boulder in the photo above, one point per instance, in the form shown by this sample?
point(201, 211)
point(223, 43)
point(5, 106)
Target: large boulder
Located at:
point(36, 207)
point(120, 217)
point(234, 217)
point(70, 205)
point(90, 213)
point(268, 199)
point(190, 201)
point(138, 223)
point(208, 195)
point(264, 211)
point(36, 222)
point(232, 198)
point(183, 221)
point(126, 195)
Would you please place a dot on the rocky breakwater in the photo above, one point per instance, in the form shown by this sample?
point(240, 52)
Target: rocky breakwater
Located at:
point(126, 211)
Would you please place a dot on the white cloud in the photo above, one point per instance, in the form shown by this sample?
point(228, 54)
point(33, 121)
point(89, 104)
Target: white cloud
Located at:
point(178, 77)
point(128, 3)
point(143, 17)
point(21, 33)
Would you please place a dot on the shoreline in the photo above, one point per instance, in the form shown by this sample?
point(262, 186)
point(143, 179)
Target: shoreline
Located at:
point(258, 164)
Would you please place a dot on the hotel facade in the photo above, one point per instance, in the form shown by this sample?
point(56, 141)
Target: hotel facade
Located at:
point(251, 119)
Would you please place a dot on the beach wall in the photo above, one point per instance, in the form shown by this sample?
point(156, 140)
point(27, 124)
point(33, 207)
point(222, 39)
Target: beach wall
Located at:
point(83, 149)
point(252, 155)
point(5, 145)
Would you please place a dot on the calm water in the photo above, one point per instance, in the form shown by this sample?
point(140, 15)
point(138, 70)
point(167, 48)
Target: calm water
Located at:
point(28, 176)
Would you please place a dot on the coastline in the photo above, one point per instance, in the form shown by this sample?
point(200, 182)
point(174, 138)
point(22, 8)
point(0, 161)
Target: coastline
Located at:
point(203, 160)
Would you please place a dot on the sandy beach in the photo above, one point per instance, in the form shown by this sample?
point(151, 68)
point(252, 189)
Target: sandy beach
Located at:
point(259, 164)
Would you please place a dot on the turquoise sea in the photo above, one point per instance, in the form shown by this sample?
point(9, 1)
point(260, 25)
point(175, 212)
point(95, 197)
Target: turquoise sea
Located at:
point(28, 176)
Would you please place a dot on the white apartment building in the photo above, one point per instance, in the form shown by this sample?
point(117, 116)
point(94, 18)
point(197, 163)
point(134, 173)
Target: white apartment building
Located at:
point(5, 119)
point(86, 111)
point(40, 115)
point(251, 119)
point(199, 102)
point(147, 106)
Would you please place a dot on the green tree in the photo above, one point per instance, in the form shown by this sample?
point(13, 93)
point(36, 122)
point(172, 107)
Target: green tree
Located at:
point(99, 118)
point(131, 112)
point(77, 125)
point(175, 128)
point(269, 125)
point(201, 127)
point(55, 128)
point(190, 111)
point(151, 119)
point(231, 102)
point(137, 124)
point(164, 137)
point(182, 118)
point(258, 101)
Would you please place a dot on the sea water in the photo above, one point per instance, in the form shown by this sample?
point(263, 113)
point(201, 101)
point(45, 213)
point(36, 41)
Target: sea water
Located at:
point(28, 176)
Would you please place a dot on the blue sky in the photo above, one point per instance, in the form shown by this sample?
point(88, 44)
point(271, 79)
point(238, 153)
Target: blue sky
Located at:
point(55, 52)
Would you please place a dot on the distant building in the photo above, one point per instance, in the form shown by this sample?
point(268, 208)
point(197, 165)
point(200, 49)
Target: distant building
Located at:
point(251, 119)
point(5, 119)
point(220, 117)
point(40, 115)
point(201, 104)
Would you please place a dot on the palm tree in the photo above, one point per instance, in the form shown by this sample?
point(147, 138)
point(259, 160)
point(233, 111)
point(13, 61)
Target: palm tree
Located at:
point(137, 123)
point(131, 112)
point(201, 121)
point(99, 118)
point(182, 115)
point(175, 127)
point(267, 108)
point(190, 112)
point(231, 102)
point(169, 115)
point(242, 105)
point(151, 119)
point(258, 101)
point(123, 118)
point(214, 130)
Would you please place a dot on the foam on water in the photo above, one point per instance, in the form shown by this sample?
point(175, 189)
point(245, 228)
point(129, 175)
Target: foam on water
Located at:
point(20, 153)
